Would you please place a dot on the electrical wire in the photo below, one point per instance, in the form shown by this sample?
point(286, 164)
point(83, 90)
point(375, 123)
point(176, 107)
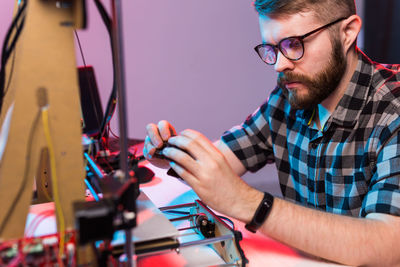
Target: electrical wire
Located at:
point(11, 72)
point(26, 173)
point(89, 83)
point(80, 48)
point(111, 131)
point(54, 179)
point(112, 100)
point(9, 46)
point(228, 220)
point(104, 16)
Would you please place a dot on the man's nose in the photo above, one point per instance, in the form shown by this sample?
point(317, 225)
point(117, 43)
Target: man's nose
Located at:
point(282, 63)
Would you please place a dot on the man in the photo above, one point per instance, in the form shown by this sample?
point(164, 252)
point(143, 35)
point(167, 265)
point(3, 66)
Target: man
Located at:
point(332, 128)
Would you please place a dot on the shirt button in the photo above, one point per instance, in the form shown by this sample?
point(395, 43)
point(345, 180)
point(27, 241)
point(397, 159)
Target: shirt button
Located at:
point(314, 145)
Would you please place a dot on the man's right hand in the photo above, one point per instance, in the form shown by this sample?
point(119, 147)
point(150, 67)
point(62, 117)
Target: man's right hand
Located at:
point(157, 136)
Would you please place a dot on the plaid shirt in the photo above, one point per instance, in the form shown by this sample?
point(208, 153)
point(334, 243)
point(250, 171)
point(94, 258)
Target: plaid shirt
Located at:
point(352, 165)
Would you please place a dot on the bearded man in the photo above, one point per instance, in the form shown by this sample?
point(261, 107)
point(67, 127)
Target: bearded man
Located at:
point(331, 126)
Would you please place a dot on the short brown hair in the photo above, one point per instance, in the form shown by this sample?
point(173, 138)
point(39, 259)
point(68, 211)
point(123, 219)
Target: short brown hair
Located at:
point(325, 10)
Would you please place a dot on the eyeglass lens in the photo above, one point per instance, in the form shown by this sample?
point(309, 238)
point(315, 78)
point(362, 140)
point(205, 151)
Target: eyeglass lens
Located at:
point(292, 48)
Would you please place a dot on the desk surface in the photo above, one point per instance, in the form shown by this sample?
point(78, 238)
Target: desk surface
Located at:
point(165, 190)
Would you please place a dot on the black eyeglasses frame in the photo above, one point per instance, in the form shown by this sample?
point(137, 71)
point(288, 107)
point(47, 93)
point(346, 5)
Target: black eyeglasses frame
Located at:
point(301, 38)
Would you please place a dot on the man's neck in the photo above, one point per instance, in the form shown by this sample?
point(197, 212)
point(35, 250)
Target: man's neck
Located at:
point(332, 101)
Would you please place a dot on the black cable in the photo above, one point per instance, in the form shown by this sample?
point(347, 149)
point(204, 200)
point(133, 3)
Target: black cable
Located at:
point(9, 46)
point(80, 49)
point(3, 88)
point(26, 173)
point(13, 52)
point(11, 73)
point(14, 24)
point(91, 91)
point(112, 100)
point(14, 41)
point(104, 15)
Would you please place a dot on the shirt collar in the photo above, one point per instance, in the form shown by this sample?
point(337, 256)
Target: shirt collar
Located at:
point(355, 96)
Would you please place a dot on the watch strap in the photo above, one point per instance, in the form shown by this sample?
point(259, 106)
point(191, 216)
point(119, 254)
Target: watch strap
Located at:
point(261, 213)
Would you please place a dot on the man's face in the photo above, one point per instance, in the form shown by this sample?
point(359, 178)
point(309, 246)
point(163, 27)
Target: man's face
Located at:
point(318, 73)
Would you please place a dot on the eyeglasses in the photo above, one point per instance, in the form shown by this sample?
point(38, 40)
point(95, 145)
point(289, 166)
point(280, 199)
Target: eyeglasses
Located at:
point(291, 47)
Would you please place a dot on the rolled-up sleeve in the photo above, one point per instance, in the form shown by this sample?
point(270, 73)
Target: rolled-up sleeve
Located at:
point(384, 188)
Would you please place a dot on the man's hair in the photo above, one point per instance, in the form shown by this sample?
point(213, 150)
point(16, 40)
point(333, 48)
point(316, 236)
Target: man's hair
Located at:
point(325, 10)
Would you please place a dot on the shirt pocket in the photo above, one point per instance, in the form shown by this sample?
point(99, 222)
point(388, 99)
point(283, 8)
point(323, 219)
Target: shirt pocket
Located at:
point(345, 192)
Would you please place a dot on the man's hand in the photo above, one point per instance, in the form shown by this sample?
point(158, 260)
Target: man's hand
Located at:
point(156, 137)
point(206, 170)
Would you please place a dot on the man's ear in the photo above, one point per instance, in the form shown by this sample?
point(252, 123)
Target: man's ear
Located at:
point(349, 31)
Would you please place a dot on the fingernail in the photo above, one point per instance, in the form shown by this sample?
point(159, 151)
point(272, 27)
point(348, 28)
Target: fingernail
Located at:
point(165, 150)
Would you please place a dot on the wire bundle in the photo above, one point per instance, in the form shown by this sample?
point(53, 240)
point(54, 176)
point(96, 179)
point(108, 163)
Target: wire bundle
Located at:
point(9, 47)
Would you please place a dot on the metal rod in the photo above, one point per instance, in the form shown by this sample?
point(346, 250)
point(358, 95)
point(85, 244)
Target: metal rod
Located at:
point(188, 228)
point(118, 60)
point(118, 56)
point(206, 241)
point(177, 206)
point(182, 218)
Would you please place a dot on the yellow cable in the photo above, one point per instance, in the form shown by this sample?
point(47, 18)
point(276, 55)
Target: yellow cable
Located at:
point(56, 197)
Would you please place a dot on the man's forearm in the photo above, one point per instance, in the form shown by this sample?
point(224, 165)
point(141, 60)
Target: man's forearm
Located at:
point(343, 239)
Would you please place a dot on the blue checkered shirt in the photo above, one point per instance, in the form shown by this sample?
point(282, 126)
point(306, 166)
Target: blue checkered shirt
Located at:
point(352, 165)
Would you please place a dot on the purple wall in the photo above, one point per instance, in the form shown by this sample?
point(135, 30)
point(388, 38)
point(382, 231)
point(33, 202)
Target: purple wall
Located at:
point(190, 62)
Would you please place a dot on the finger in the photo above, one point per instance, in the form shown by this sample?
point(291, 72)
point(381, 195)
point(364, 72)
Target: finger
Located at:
point(193, 157)
point(154, 135)
point(184, 174)
point(200, 138)
point(180, 157)
point(166, 130)
point(205, 146)
point(190, 146)
point(148, 148)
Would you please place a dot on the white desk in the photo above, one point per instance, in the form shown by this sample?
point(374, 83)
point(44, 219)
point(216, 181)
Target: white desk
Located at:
point(165, 190)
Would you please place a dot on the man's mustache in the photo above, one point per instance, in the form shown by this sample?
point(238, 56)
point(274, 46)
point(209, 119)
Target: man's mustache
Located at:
point(289, 77)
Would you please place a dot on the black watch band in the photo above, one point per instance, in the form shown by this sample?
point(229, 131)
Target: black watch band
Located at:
point(261, 213)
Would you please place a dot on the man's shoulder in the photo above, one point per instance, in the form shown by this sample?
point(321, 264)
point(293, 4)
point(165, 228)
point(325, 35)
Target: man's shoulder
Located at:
point(386, 83)
point(383, 103)
point(383, 81)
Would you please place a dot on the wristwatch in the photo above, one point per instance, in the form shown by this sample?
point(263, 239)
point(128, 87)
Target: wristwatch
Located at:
point(261, 213)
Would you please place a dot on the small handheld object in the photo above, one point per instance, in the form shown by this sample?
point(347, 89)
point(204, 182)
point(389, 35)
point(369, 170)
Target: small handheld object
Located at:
point(158, 153)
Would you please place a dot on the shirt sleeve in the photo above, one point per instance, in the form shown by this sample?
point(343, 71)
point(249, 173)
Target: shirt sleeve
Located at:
point(251, 141)
point(384, 188)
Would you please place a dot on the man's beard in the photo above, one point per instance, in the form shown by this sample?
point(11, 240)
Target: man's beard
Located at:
point(320, 87)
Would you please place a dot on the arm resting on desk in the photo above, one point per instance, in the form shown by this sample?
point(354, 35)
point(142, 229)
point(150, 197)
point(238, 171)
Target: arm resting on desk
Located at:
point(371, 241)
point(354, 241)
point(214, 176)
